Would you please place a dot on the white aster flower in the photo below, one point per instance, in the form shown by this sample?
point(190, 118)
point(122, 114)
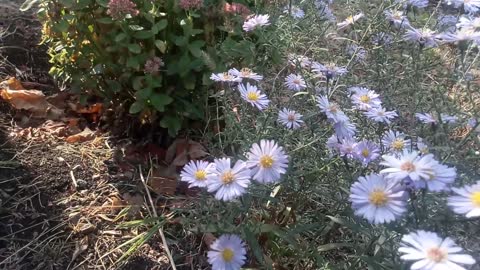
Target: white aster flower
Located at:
point(295, 82)
point(331, 109)
point(245, 73)
point(469, 22)
point(196, 173)
point(424, 37)
point(431, 252)
point(397, 18)
point(227, 253)
point(365, 99)
point(440, 178)
point(377, 199)
point(349, 20)
point(295, 12)
point(408, 164)
point(466, 201)
point(289, 118)
point(229, 183)
point(252, 95)
point(462, 35)
point(255, 22)
point(224, 77)
point(381, 115)
point(267, 161)
point(395, 141)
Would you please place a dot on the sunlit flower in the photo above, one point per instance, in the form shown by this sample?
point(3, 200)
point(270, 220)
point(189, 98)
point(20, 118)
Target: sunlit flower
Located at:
point(224, 77)
point(469, 22)
point(366, 152)
point(329, 70)
point(365, 99)
point(347, 147)
point(228, 183)
point(295, 82)
point(268, 161)
point(120, 9)
point(431, 252)
point(381, 115)
point(255, 22)
point(228, 252)
point(466, 201)
point(245, 73)
point(349, 20)
point(196, 173)
point(294, 11)
point(395, 141)
point(439, 179)
point(359, 53)
point(408, 164)
point(378, 200)
point(252, 95)
point(344, 128)
point(424, 37)
point(289, 118)
point(331, 109)
point(397, 18)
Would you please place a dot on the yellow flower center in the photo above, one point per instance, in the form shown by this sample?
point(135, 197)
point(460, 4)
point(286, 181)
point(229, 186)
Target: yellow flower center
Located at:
point(365, 153)
point(476, 198)
point(253, 96)
point(407, 166)
point(378, 198)
point(228, 177)
point(227, 255)
point(201, 175)
point(246, 72)
point(365, 99)
point(398, 144)
point(266, 161)
point(350, 19)
point(437, 255)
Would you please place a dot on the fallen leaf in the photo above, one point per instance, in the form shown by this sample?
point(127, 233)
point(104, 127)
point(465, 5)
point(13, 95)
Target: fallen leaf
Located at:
point(183, 150)
point(33, 101)
point(85, 135)
point(208, 239)
point(163, 180)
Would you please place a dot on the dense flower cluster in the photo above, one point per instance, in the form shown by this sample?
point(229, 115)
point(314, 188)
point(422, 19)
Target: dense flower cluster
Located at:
point(120, 9)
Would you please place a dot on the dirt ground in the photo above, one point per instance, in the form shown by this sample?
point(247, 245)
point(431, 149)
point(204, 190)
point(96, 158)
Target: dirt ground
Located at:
point(61, 203)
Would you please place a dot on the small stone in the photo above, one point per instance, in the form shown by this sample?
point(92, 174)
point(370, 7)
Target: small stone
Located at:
point(81, 184)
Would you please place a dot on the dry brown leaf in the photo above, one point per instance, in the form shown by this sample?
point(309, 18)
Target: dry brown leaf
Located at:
point(85, 135)
point(31, 100)
point(163, 180)
point(183, 150)
point(208, 239)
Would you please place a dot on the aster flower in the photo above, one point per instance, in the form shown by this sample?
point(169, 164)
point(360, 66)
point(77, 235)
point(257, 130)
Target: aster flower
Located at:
point(366, 152)
point(289, 118)
point(397, 18)
point(466, 200)
point(431, 252)
point(344, 128)
point(382, 39)
point(447, 23)
point(448, 119)
point(347, 147)
point(329, 70)
point(353, 50)
point(153, 65)
point(381, 115)
point(295, 82)
point(255, 22)
point(365, 99)
point(295, 12)
point(424, 37)
point(462, 35)
point(408, 164)
point(378, 200)
point(324, 11)
point(227, 253)
point(224, 77)
point(426, 118)
point(331, 109)
point(196, 173)
point(350, 20)
point(395, 141)
point(332, 144)
point(252, 95)
point(228, 183)
point(439, 179)
point(190, 4)
point(468, 22)
point(245, 73)
point(295, 59)
point(268, 161)
point(470, 6)
point(121, 9)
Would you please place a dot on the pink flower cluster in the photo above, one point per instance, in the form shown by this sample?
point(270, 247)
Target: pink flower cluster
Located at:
point(236, 9)
point(153, 65)
point(190, 4)
point(119, 9)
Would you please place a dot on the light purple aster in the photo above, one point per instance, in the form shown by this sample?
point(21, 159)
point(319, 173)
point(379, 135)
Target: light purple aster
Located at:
point(397, 18)
point(395, 142)
point(331, 109)
point(366, 152)
point(344, 129)
point(329, 70)
point(425, 37)
point(347, 147)
point(364, 98)
point(381, 115)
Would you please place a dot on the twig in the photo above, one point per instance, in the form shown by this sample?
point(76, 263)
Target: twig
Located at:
point(160, 230)
point(73, 179)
